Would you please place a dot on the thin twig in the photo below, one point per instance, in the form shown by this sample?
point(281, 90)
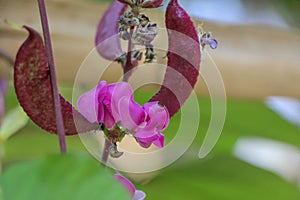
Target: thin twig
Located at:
point(56, 98)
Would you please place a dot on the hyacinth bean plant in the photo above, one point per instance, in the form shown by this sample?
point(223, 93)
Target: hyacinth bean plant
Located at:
point(111, 107)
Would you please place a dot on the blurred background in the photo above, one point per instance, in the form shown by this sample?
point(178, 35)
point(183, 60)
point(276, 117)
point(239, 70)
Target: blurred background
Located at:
point(257, 155)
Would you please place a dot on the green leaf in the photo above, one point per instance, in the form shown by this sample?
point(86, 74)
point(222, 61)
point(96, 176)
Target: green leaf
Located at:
point(61, 177)
point(14, 120)
point(220, 177)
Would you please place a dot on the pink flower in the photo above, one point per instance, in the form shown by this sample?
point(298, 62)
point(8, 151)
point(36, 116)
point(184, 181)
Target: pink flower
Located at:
point(106, 103)
point(157, 120)
point(113, 105)
point(135, 194)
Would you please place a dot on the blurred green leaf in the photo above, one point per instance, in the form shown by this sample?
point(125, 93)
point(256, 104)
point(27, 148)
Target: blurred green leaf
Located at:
point(13, 121)
point(217, 177)
point(221, 177)
point(289, 9)
point(11, 100)
point(61, 177)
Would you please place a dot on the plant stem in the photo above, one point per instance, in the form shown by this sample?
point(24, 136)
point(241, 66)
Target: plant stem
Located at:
point(56, 98)
point(127, 67)
point(105, 153)
point(128, 58)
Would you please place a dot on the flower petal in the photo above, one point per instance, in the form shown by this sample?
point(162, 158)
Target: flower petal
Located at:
point(158, 116)
point(108, 120)
point(119, 90)
point(88, 104)
point(160, 141)
point(139, 195)
point(146, 138)
point(212, 42)
point(131, 114)
point(126, 183)
point(115, 93)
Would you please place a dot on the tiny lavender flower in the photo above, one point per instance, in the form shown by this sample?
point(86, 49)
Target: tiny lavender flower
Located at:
point(113, 106)
point(135, 194)
point(206, 39)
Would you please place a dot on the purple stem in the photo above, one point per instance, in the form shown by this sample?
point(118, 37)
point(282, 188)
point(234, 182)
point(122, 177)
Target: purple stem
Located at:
point(128, 58)
point(107, 144)
point(127, 67)
point(105, 153)
point(48, 45)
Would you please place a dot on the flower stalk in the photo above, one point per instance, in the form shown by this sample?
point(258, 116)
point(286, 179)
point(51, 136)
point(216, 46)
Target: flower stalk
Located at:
point(105, 154)
point(54, 88)
point(128, 58)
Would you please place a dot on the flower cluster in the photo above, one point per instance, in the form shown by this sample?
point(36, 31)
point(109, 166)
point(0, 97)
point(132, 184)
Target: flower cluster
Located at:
point(113, 106)
point(138, 28)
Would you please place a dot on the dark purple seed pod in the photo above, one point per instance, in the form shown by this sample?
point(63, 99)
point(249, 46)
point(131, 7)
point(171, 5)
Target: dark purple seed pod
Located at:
point(33, 89)
point(108, 28)
point(183, 57)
